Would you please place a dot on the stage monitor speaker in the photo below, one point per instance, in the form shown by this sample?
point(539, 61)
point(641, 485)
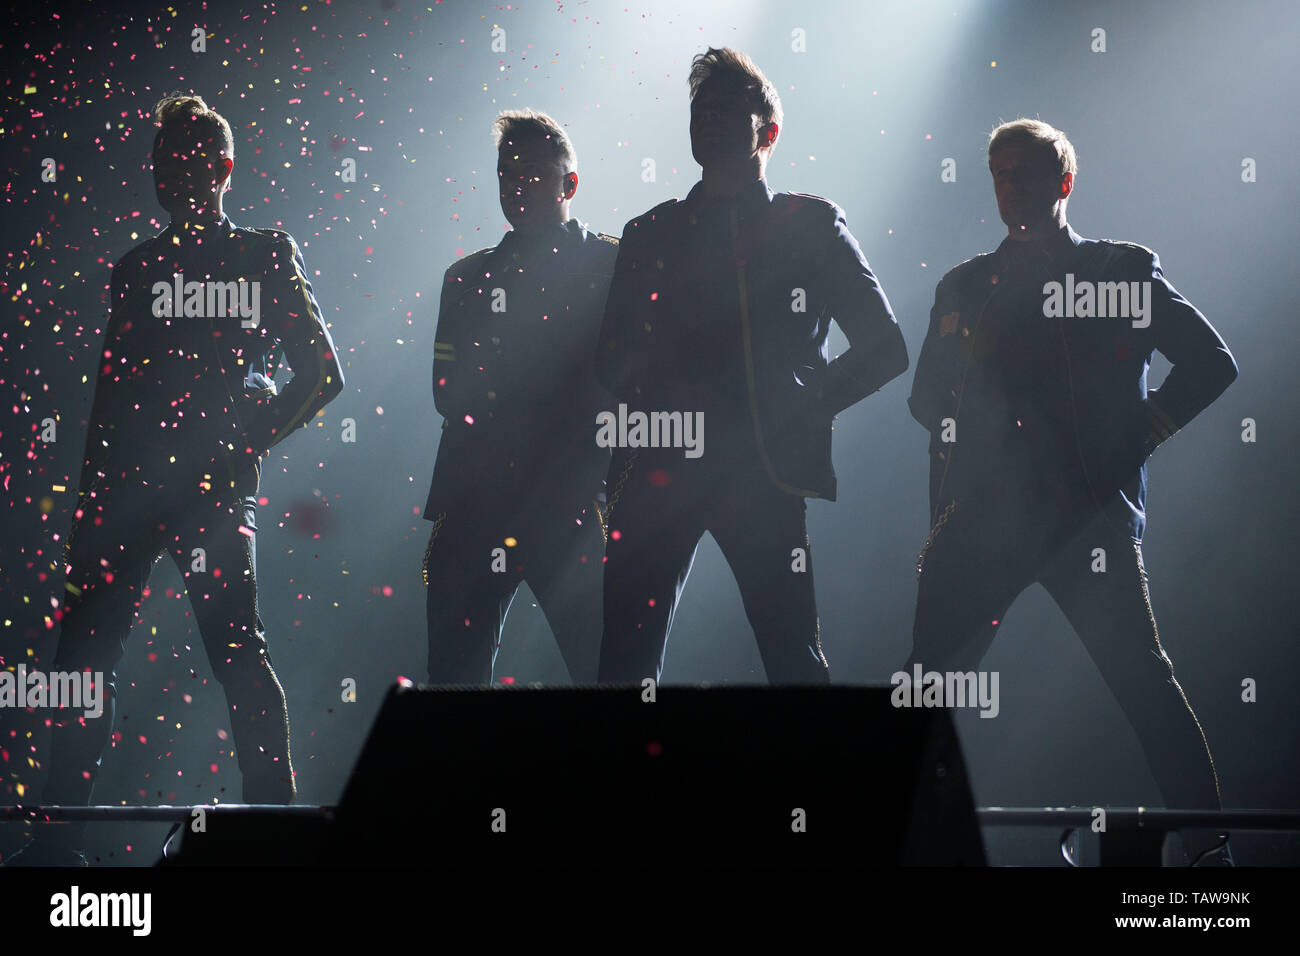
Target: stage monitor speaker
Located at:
point(730, 776)
point(251, 836)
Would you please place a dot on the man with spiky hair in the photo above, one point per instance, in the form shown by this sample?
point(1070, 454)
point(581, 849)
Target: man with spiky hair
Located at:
point(185, 407)
point(517, 477)
point(721, 305)
point(1041, 423)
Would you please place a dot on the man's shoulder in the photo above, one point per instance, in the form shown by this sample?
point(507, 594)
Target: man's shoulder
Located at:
point(1124, 248)
point(597, 239)
point(808, 203)
point(468, 265)
point(1121, 245)
point(264, 233)
point(597, 252)
point(805, 211)
point(650, 220)
point(969, 267)
point(598, 243)
point(139, 256)
point(1116, 254)
point(267, 246)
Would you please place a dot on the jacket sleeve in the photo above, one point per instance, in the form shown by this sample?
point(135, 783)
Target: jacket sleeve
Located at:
point(299, 327)
point(453, 374)
point(588, 393)
point(617, 365)
point(938, 361)
point(877, 352)
point(101, 429)
point(1202, 368)
point(1202, 365)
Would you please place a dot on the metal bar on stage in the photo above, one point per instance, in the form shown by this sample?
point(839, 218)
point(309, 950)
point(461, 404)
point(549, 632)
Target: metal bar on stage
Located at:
point(1141, 816)
point(1257, 819)
point(163, 814)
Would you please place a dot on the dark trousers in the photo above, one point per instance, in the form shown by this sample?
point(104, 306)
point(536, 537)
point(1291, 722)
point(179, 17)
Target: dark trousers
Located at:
point(126, 525)
point(471, 584)
point(660, 508)
point(974, 570)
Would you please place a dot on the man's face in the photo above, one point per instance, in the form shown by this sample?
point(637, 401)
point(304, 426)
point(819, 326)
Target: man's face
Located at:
point(532, 182)
point(187, 171)
point(723, 130)
point(1027, 183)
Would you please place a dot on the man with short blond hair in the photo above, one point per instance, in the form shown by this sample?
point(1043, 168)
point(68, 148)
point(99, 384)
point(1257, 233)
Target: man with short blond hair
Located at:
point(185, 407)
point(1032, 382)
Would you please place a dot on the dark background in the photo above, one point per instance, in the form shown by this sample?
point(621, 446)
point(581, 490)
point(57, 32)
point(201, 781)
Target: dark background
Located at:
point(1161, 121)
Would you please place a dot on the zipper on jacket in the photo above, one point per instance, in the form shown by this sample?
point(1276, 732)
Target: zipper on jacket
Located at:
point(749, 368)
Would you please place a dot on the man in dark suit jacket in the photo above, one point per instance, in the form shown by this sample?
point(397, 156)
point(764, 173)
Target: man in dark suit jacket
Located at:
point(719, 313)
point(518, 473)
point(185, 407)
point(1033, 385)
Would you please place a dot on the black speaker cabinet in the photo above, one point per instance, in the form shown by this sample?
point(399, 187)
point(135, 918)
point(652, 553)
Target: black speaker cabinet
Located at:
point(730, 776)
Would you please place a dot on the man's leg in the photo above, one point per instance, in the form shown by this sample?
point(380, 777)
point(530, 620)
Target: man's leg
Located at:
point(468, 595)
point(110, 554)
point(566, 572)
point(654, 527)
point(972, 572)
point(224, 597)
point(1111, 612)
point(762, 532)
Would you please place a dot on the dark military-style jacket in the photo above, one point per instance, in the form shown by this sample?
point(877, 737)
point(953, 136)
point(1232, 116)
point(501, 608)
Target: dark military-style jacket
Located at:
point(513, 376)
point(1051, 413)
point(190, 378)
point(724, 306)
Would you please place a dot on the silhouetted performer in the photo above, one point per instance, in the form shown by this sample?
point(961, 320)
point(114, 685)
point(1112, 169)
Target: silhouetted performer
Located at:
point(185, 406)
point(719, 313)
point(1033, 384)
point(518, 473)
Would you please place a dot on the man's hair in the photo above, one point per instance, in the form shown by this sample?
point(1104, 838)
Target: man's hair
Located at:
point(736, 71)
point(1048, 140)
point(515, 126)
point(179, 112)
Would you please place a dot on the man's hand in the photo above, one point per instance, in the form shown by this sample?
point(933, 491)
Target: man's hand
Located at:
point(1144, 434)
point(813, 381)
point(247, 454)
